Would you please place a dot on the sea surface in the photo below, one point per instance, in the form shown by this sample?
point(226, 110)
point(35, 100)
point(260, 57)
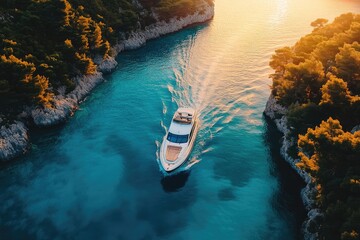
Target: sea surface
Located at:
point(98, 177)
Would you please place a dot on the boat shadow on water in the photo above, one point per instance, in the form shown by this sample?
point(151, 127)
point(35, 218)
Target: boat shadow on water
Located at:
point(175, 182)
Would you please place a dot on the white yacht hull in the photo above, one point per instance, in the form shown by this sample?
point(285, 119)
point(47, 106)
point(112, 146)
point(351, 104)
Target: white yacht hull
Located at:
point(186, 148)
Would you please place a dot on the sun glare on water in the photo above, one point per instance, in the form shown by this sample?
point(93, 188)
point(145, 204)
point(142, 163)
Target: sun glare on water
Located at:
point(232, 75)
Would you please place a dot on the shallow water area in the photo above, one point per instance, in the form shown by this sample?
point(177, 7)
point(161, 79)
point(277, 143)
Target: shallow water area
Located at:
point(97, 177)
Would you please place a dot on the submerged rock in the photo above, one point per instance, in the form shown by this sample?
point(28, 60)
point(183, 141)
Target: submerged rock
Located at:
point(14, 140)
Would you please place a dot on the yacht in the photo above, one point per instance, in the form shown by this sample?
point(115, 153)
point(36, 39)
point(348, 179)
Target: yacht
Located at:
point(179, 140)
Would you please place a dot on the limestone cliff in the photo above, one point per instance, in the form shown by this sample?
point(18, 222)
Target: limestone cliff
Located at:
point(277, 114)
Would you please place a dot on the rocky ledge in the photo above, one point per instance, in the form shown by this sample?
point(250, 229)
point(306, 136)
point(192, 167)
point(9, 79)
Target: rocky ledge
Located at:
point(64, 105)
point(139, 38)
point(13, 138)
point(277, 114)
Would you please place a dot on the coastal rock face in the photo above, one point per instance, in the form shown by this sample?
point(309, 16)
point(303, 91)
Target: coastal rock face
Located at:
point(277, 113)
point(274, 109)
point(139, 38)
point(311, 224)
point(355, 129)
point(13, 140)
point(65, 105)
point(84, 85)
point(106, 65)
point(58, 113)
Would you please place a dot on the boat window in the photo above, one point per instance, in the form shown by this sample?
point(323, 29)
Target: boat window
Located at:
point(177, 138)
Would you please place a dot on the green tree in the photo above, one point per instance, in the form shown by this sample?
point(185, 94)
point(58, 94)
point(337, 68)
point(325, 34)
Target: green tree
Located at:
point(335, 92)
point(348, 65)
point(281, 58)
point(332, 157)
point(308, 44)
point(319, 23)
point(307, 78)
point(66, 35)
point(318, 81)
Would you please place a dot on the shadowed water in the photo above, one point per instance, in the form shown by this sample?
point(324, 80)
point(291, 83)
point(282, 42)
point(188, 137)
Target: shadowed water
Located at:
point(97, 177)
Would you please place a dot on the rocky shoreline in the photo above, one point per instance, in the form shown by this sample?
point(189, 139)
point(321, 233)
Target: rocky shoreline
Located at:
point(277, 114)
point(139, 38)
point(14, 139)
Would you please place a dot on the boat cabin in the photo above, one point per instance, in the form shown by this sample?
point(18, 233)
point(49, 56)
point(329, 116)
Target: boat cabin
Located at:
point(183, 117)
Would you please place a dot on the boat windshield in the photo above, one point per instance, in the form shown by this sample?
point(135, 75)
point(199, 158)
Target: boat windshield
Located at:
point(177, 138)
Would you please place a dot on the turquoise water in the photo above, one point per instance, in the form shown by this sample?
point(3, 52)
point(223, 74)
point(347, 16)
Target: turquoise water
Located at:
point(97, 177)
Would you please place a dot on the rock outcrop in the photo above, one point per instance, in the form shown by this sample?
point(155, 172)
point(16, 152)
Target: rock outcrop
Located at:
point(277, 114)
point(139, 38)
point(355, 129)
point(108, 64)
point(65, 105)
point(14, 140)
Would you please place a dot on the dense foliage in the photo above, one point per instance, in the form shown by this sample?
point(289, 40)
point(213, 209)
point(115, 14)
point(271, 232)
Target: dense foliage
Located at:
point(46, 43)
point(332, 157)
point(318, 80)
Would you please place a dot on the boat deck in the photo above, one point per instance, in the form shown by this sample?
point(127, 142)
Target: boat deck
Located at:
point(172, 153)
